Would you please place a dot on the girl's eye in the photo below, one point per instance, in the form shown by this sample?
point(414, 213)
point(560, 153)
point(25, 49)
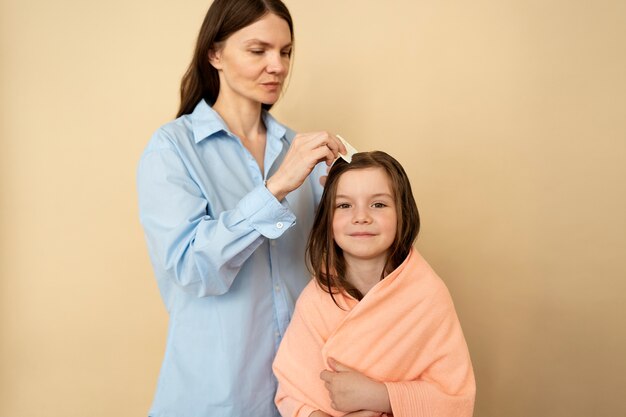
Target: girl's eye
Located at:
point(343, 206)
point(286, 53)
point(257, 51)
point(379, 205)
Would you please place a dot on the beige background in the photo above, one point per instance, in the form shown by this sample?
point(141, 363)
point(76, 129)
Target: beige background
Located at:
point(508, 115)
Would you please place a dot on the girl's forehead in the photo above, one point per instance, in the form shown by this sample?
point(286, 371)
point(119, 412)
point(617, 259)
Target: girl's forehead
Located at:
point(360, 174)
point(364, 179)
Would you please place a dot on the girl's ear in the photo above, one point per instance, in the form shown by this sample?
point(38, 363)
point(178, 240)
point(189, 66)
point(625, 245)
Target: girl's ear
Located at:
point(215, 58)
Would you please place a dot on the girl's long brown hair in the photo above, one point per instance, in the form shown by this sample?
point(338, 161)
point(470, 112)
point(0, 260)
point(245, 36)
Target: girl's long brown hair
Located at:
point(225, 17)
point(325, 259)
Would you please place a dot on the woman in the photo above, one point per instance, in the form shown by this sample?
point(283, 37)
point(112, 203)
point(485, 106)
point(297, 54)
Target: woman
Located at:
point(227, 198)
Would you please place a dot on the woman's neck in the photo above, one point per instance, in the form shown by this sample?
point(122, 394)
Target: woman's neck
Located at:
point(242, 117)
point(364, 274)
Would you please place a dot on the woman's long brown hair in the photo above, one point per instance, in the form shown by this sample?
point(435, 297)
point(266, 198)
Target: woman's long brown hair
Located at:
point(225, 17)
point(325, 258)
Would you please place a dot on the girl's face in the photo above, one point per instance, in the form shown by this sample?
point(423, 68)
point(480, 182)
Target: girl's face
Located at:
point(365, 219)
point(254, 61)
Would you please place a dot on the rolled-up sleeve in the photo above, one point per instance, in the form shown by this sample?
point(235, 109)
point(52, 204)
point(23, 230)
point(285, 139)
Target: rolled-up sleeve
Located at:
point(200, 253)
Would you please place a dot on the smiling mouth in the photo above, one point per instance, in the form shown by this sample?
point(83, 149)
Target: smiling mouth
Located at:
point(362, 234)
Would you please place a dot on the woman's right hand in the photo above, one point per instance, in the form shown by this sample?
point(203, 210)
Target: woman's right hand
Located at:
point(305, 152)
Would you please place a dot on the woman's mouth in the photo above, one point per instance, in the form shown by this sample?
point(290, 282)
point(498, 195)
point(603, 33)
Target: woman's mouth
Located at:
point(271, 85)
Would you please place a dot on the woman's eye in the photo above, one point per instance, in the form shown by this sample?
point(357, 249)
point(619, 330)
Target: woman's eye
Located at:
point(257, 51)
point(343, 206)
point(286, 53)
point(379, 205)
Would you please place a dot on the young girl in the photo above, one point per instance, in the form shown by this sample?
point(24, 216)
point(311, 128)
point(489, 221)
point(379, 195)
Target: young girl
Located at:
point(375, 332)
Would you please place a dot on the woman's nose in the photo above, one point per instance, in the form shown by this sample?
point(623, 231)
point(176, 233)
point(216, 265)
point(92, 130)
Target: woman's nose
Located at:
point(276, 64)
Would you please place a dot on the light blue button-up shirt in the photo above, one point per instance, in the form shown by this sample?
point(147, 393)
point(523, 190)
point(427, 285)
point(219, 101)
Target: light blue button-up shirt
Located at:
point(229, 262)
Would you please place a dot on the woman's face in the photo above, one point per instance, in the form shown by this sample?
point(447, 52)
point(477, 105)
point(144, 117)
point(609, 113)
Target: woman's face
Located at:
point(365, 219)
point(254, 61)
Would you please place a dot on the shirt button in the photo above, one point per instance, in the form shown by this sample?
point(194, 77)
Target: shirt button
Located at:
point(279, 225)
point(273, 242)
point(277, 288)
point(277, 335)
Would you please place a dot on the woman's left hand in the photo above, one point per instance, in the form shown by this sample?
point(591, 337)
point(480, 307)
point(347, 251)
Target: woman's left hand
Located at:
point(350, 390)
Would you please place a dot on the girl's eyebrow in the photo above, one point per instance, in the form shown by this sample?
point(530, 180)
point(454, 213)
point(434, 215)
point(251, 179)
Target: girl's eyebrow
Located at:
point(378, 195)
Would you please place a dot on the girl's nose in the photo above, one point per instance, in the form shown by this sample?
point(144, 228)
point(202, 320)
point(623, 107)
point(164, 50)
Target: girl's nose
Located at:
point(361, 217)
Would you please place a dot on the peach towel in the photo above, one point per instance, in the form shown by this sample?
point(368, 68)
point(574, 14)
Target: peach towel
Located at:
point(404, 332)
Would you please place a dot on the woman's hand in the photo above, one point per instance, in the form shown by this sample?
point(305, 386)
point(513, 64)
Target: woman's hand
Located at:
point(351, 391)
point(306, 151)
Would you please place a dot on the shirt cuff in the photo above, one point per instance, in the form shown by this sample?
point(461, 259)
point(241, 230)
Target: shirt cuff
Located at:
point(265, 213)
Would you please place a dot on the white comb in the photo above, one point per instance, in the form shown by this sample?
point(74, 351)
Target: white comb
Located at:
point(350, 150)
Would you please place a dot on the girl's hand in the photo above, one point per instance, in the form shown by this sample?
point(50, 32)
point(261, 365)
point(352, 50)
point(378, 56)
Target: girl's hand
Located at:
point(364, 413)
point(350, 390)
point(306, 151)
point(319, 413)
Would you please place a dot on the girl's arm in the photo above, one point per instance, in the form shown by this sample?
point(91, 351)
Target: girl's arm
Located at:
point(298, 363)
point(362, 413)
point(446, 388)
point(429, 396)
point(350, 390)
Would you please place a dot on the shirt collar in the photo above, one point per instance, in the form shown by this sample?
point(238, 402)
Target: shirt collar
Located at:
point(274, 129)
point(206, 122)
